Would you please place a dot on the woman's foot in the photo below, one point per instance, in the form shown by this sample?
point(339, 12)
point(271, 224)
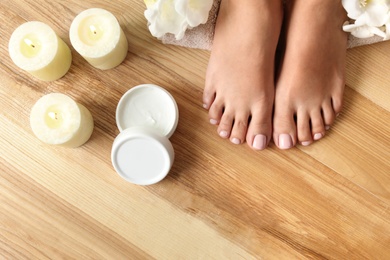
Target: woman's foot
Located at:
point(310, 86)
point(239, 88)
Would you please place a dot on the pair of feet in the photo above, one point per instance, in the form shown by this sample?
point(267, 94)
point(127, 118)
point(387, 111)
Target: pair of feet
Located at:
point(252, 95)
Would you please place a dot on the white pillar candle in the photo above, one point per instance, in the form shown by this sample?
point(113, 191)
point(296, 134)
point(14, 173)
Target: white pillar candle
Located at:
point(97, 36)
point(57, 119)
point(36, 48)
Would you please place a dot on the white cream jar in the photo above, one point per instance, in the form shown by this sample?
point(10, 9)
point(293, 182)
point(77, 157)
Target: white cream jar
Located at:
point(146, 115)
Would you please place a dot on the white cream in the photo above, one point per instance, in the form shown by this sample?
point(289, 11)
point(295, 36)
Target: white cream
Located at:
point(148, 106)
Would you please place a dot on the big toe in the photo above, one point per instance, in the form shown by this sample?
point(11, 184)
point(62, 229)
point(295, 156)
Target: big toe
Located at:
point(284, 129)
point(260, 130)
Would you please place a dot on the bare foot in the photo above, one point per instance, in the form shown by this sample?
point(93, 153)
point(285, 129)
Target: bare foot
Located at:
point(310, 86)
point(239, 89)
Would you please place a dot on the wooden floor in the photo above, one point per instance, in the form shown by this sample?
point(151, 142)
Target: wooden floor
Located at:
point(220, 201)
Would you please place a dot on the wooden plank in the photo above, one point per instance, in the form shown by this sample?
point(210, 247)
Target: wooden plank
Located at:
point(328, 200)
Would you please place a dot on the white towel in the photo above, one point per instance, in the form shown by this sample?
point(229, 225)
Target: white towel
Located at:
point(202, 36)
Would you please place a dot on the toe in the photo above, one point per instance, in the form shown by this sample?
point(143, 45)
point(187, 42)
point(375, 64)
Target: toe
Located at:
point(317, 125)
point(259, 130)
point(208, 96)
point(284, 129)
point(260, 142)
point(225, 125)
point(240, 128)
point(303, 129)
point(215, 112)
point(337, 104)
point(328, 114)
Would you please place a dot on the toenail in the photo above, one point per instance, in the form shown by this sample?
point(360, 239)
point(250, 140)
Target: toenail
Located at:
point(317, 136)
point(213, 121)
point(285, 141)
point(223, 134)
point(306, 143)
point(259, 142)
point(327, 127)
point(236, 141)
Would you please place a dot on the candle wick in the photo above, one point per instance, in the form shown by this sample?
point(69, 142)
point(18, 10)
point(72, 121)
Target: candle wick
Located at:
point(93, 29)
point(29, 42)
point(53, 115)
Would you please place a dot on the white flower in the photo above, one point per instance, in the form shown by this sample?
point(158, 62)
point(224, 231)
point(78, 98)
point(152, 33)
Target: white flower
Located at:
point(371, 17)
point(195, 11)
point(368, 12)
point(163, 18)
point(175, 16)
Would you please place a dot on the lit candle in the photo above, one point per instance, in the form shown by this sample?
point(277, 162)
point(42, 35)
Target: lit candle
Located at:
point(36, 48)
point(57, 119)
point(97, 36)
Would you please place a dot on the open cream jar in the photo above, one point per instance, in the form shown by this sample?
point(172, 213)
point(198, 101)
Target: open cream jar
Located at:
point(146, 115)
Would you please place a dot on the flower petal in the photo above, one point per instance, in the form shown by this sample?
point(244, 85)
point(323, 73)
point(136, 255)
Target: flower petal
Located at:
point(163, 18)
point(353, 8)
point(364, 31)
point(149, 3)
point(195, 11)
point(377, 14)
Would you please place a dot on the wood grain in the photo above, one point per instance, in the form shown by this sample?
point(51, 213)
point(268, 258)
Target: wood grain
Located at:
point(329, 200)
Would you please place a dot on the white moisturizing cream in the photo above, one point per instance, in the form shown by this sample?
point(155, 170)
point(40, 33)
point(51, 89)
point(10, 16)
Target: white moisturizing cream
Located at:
point(148, 106)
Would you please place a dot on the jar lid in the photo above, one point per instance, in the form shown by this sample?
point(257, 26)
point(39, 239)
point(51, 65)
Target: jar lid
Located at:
point(142, 156)
point(148, 105)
